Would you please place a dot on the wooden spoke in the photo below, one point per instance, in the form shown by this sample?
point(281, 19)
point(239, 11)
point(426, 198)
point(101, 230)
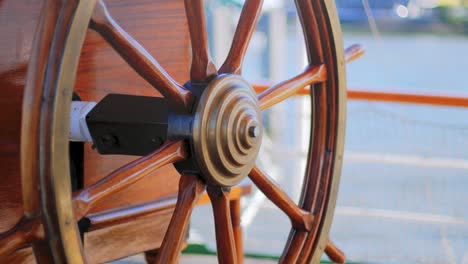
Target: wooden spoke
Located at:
point(121, 214)
point(334, 253)
point(20, 236)
point(353, 52)
point(245, 28)
point(202, 66)
point(127, 175)
point(288, 88)
point(190, 190)
point(225, 243)
point(301, 219)
point(235, 207)
point(138, 58)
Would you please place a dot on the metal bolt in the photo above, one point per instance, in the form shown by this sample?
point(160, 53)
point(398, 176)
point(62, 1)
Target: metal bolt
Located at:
point(157, 141)
point(108, 140)
point(254, 131)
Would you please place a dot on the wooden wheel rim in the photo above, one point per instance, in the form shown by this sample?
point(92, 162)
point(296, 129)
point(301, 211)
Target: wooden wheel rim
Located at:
point(70, 22)
point(47, 94)
point(327, 161)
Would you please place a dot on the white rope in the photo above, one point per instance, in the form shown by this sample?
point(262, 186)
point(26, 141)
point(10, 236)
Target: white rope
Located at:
point(371, 19)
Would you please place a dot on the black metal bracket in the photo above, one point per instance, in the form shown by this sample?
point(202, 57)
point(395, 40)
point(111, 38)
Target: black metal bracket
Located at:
point(128, 124)
point(137, 125)
point(190, 166)
point(76, 158)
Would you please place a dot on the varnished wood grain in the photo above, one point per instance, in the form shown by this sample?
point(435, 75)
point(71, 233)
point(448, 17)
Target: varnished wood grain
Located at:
point(160, 183)
point(108, 217)
point(161, 28)
point(290, 87)
point(190, 190)
point(25, 232)
point(225, 242)
point(126, 238)
point(11, 209)
point(127, 213)
point(19, 19)
point(202, 65)
point(21, 256)
point(139, 59)
point(245, 28)
point(136, 232)
point(31, 115)
point(301, 219)
point(169, 153)
point(112, 219)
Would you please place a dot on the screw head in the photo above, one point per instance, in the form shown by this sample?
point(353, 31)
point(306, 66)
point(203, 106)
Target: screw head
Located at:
point(109, 140)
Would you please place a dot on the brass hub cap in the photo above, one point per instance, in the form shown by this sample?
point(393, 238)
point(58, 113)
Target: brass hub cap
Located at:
point(227, 130)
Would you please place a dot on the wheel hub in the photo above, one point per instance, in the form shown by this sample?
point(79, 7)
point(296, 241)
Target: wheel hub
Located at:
point(227, 130)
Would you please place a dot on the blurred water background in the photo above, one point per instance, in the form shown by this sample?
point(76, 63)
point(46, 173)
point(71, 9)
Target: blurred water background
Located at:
point(403, 196)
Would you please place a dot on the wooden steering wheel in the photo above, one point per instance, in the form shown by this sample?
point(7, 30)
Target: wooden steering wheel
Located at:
point(214, 135)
